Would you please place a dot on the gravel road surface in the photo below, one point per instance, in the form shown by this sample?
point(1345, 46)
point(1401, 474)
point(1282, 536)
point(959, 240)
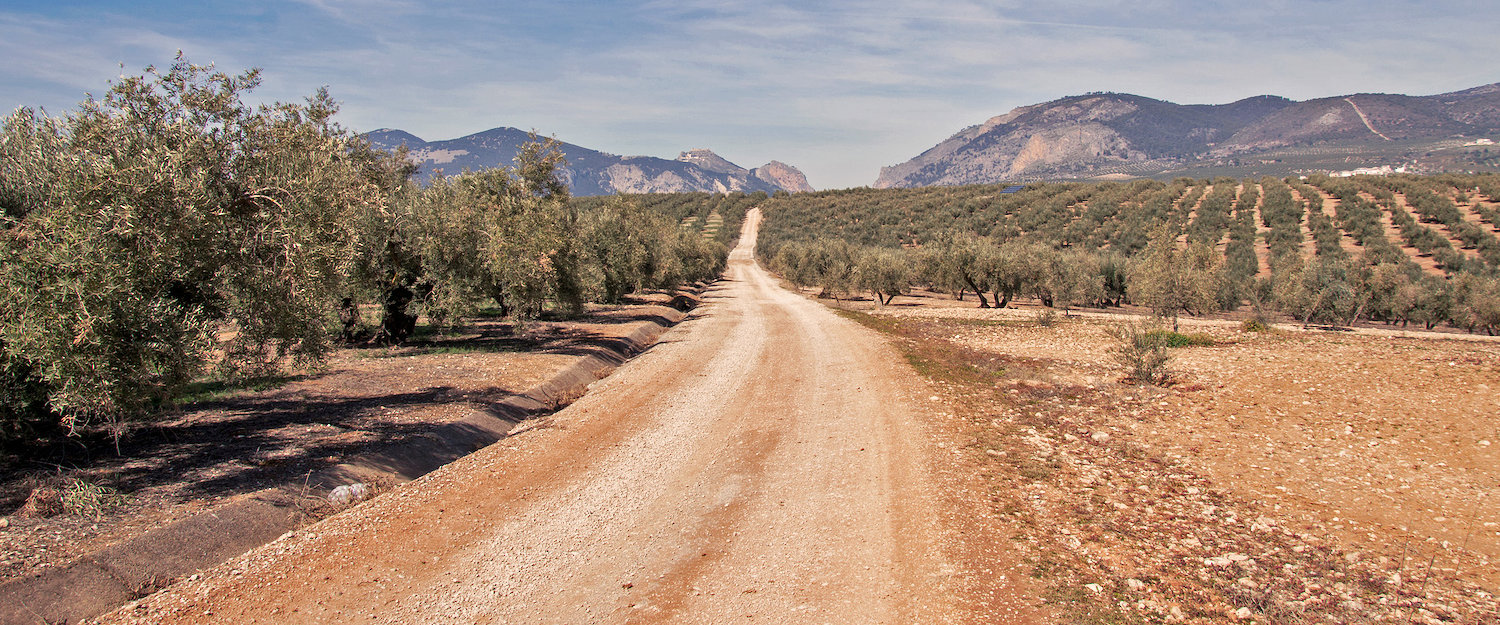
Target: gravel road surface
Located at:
point(762, 463)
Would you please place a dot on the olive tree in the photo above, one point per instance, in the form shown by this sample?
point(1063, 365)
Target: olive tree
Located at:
point(1074, 278)
point(693, 258)
point(166, 227)
point(506, 235)
point(1170, 279)
point(1322, 290)
point(1477, 302)
point(626, 248)
point(885, 273)
point(827, 264)
point(1014, 269)
point(957, 261)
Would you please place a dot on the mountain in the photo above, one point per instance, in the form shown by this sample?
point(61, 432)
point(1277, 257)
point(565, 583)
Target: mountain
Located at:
point(1104, 133)
point(591, 172)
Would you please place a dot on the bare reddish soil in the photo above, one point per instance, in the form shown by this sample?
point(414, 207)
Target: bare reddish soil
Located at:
point(1328, 204)
point(1425, 261)
point(1469, 212)
point(1440, 228)
point(1285, 477)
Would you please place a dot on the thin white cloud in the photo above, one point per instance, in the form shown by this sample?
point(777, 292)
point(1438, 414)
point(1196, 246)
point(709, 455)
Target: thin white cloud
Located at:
point(364, 11)
point(64, 62)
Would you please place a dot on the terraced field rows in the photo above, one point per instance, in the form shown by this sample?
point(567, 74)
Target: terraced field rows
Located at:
point(1344, 238)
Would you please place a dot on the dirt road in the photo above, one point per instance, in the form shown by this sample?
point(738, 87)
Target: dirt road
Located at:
point(759, 464)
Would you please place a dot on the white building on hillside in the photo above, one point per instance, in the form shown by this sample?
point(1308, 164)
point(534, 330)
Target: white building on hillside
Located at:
point(1383, 170)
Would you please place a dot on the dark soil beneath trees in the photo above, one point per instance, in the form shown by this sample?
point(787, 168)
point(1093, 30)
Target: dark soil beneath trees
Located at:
point(273, 432)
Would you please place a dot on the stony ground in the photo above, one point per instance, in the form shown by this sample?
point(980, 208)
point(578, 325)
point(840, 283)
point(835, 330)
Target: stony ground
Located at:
point(1283, 477)
point(237, 440)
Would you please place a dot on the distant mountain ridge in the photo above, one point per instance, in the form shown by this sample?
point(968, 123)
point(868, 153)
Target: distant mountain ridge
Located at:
point(1093, 134)
point(592, 172)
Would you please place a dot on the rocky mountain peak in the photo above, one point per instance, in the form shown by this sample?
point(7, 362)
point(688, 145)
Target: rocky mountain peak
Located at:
point(592, 172)
point(782, 175)
point(706, 159)
point(1113, 133)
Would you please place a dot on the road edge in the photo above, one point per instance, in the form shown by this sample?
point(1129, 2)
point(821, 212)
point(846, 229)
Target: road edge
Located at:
point(105, 579)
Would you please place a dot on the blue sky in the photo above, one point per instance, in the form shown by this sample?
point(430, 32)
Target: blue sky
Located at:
point(838, 89)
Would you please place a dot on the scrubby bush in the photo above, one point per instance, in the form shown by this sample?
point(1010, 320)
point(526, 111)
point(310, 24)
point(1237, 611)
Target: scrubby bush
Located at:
point(1141, 348)
point(1177, 339)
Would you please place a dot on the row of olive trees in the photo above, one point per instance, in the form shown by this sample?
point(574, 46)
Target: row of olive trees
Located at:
point(1168, 277)
point(168, 228)
point(1171, 278)
point(510, 238)
point(1338, 290)
point(959, 264)
point(1062, 278)
point(840, 268)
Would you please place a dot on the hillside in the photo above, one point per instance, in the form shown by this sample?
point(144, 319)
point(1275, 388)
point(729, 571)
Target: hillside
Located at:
point(592, 172)
point(1400, 248)
point(1113, 133)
